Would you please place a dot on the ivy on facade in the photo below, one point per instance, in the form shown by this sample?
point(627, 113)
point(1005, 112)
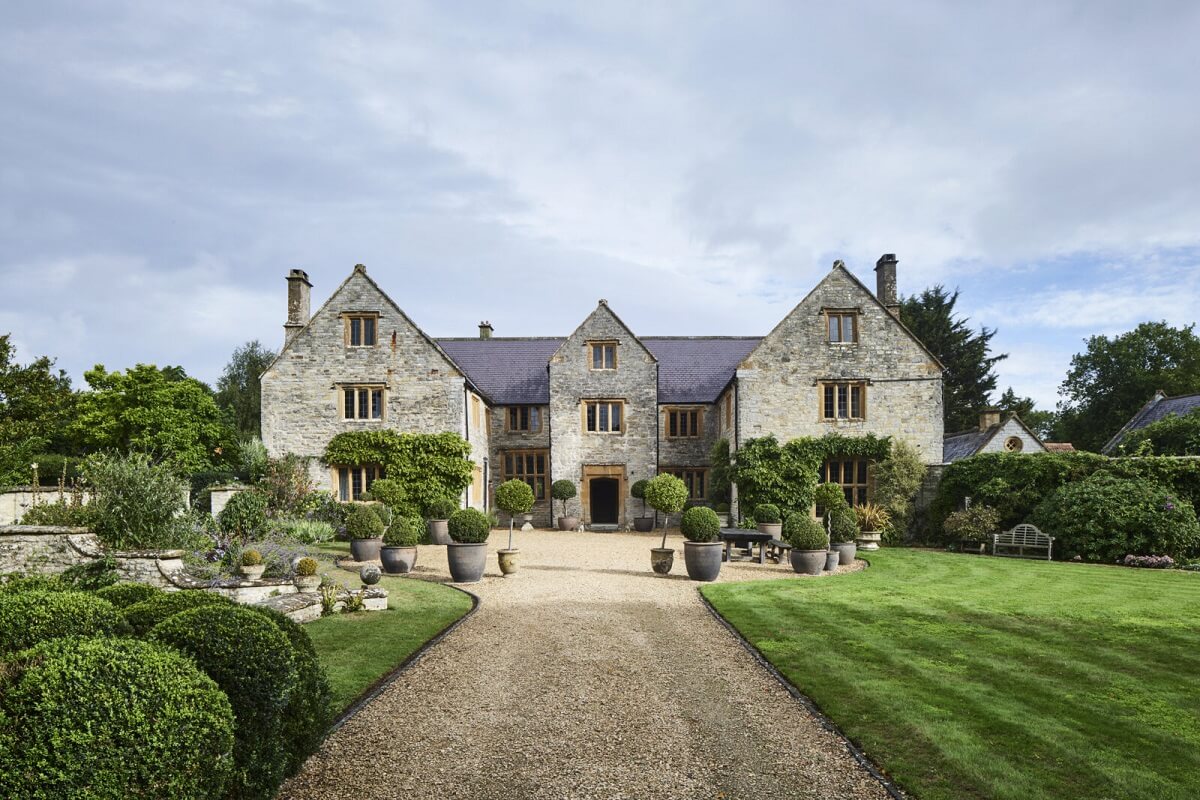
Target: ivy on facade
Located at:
point(429, 466)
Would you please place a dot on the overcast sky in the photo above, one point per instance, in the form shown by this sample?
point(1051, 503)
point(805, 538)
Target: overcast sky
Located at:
point(163, 165)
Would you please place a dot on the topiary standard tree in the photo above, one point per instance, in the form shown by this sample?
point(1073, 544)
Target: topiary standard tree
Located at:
point(514, 497)
point(563, 490)
point(667, 494)
point(638, 490)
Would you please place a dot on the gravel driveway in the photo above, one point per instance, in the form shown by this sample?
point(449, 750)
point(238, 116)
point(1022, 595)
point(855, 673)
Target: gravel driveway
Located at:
point(585, 675)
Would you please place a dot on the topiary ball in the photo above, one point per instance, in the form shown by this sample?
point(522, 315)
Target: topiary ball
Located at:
point(111, 718)
point(38, 583)
point(370, 574)
point(251, 660)
point(145, 615)
point(27, 618)
point(803, 532)
point(123, 595)
point(514, 497)
point(363, 523)
point(768, 513)
point(469, 526)
point(700, 524)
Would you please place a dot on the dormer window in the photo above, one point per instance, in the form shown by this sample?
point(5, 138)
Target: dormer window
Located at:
point(604, 355)
point(842, 326)
point(361, 330)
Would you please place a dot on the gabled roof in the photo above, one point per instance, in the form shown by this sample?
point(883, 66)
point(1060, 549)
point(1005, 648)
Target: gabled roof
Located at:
point(967, 443)
point(696, 369)
point(603, 304)
point(1158, 408)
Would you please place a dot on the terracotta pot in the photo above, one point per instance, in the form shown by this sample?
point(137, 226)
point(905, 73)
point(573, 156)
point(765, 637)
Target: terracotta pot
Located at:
point(467, 561)
point(661, 559)
point(773, 528)
point(643, 524)
point(703, 559)
point(398, 560)
point(808, 562)
point(846, 552)
point(508, 560)
point(253, 573)
point(307, 583)
point(568, 523)
point(365, 549)
point(439, 531)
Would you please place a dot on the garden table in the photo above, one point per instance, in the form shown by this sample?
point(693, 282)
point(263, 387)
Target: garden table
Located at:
point(747, 539)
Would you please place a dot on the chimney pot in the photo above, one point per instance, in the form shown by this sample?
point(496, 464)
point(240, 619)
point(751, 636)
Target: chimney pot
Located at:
point(885, 283)
point(485, 330)
point(299, 303)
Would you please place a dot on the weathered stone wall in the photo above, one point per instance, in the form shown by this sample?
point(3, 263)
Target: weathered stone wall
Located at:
point(778, 391)
point(301, 401)
point(502, 441)
point(15, 502)
point(48, 550)
point(635, 381)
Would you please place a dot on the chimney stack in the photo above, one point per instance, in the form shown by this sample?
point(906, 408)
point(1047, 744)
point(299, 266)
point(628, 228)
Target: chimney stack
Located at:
point(299, 303)
point(989, 417)
point(885, 283)
point(485, 330)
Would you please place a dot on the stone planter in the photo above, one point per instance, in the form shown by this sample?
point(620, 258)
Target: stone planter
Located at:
point(661, 559)
point(643, 524)
point(568, 523)
point(439, 531)
point(528, 520)
point(307, 583)
point(808, 562)
point(831, 560)
point(253, 573)
point(508, 560)
point(703, 560)
point(846, 551)
point(467, 561)
point(365, 549)
point(869, 540)
point(773, 528)
point(398, 560)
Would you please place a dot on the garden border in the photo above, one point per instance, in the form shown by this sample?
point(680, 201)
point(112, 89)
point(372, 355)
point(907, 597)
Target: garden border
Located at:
point(374, 690)
point(809, 705)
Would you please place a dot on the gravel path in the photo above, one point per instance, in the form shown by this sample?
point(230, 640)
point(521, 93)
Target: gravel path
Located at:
point(585, 675)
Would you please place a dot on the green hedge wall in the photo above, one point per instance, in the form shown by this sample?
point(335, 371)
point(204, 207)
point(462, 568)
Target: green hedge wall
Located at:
point(29, 617)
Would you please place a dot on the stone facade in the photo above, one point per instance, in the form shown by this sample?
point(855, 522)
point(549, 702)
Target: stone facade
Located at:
point(505, 442)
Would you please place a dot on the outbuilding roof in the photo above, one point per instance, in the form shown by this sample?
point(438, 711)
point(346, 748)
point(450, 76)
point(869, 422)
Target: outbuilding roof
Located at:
point(1158, 408)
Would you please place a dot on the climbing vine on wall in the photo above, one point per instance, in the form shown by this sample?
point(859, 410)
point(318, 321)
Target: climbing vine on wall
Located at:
point(428, 465)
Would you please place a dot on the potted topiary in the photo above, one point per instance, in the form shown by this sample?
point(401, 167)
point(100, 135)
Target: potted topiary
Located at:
point(666, 494)
point(252, 565)
point(563, 490)
point(701, 551)
point(513, 497)
point(768, 518)
point(808, 541)
point(644, 523)
point(306, 578)
point(722, 510)
point(840, 521)
point(399, 552)
point(438, 513)
point(872, 519)
point(467, 550)
point(366, 533)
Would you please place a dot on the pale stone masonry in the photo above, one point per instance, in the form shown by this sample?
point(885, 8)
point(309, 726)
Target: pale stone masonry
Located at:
point(602, 407)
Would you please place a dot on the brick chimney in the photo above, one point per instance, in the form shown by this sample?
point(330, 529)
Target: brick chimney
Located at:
point(485, 330)
point(989, 417)
point(299, 303)
point(885, 283)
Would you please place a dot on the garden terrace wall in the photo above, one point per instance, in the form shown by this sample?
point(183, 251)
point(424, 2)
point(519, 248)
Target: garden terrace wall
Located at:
point(16, 501)
point(50, 550)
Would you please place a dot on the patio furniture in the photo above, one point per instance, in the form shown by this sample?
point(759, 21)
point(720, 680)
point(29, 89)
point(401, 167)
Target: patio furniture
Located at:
point(778, 550)
point(746, 539)
point(1021, 538)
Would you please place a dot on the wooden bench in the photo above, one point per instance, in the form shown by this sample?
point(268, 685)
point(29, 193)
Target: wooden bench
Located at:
point(778, 550)
point(1021, 538)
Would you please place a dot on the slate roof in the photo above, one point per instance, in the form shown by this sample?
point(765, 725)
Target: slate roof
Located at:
point(513, 371)
point(965, 444)
point(1159, 407)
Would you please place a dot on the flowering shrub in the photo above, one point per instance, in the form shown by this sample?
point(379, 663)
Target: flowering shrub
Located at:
point(1148, 562)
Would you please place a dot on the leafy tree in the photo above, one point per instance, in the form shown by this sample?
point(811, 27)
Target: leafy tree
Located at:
point(239, 393)
point(1113, 378)
point(1040, 422)
point(161, 412)
point(35, 402)
point(969, 379)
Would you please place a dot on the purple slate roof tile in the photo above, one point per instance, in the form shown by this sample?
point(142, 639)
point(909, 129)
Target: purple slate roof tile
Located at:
point(965, 444)
point(1179, 406)
point(513, 371)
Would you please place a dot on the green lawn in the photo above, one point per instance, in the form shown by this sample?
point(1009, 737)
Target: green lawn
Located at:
point(358, 649)
point(967, 676)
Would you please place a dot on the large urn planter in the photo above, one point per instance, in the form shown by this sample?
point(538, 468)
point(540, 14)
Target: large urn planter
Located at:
point(773, 528)
point(467, 561)
point(366, 549)
point(846, 552)
point(643, 524)
point(869, 540)
point(398, 560)
point(662, 559)
point(808, 562)
point(703, 560)
point(508, 560)
point(832, 558)
point(568, 523)
point(439, 532)
point(253, 572)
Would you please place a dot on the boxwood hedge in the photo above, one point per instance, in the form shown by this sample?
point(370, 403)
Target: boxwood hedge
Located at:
point(123, 595)
point(144, 615)
point(29, 617)
point(111, 718)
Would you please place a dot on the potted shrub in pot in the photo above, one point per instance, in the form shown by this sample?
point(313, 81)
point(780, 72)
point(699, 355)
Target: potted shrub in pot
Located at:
point(306, 577)
point(513, 497)
point(872, 519)
point(563, 490)
point(366, 533)
point(252, 565)
point(808, 541)
point(768, 519)
point(467, 550)
point(666, 494)
point(399, 552)
point(644, 523)
point(702, 550)
point(438, 513)
point(840, 521)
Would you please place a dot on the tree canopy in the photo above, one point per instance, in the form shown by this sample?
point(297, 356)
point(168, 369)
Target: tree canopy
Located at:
point(35, 402)
point(1114, 377)
point(1040, 422)
point(239, 394)
point(969, 380)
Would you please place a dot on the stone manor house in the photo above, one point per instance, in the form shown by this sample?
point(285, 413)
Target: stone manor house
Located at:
point(602, 406)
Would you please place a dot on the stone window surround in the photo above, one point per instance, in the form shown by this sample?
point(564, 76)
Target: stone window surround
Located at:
point(585, 403)
point(1013, 444)
point(533, 412)
point(370, 388)
point(859, 487)
point(696, 479)
point(682, 414)
point(855, 315)
point(860, 383)
point(348, 318)
point(365, 473)
point(606, 344)
point(536, 479)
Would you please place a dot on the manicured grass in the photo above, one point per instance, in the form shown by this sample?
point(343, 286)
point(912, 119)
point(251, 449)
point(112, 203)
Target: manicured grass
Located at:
point(358, 649)
point(996, 678)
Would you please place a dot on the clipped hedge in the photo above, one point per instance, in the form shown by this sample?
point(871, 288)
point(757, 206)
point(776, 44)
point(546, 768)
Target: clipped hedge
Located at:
point(145, 615)
point(804, 533)
point(29, 617)
point(251, 660)
point(469, 526)
point(700, 524)
point(111, 718)
point(427, 466)
point(123, 595)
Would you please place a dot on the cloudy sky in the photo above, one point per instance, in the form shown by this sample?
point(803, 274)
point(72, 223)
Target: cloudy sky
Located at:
point(700, 165)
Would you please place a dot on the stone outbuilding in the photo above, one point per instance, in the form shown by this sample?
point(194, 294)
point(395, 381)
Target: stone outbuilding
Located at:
point(1159, 407)
point(995, 434)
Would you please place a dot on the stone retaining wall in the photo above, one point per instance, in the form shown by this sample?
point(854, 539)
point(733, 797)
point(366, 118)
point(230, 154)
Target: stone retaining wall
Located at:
point(17, 500)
